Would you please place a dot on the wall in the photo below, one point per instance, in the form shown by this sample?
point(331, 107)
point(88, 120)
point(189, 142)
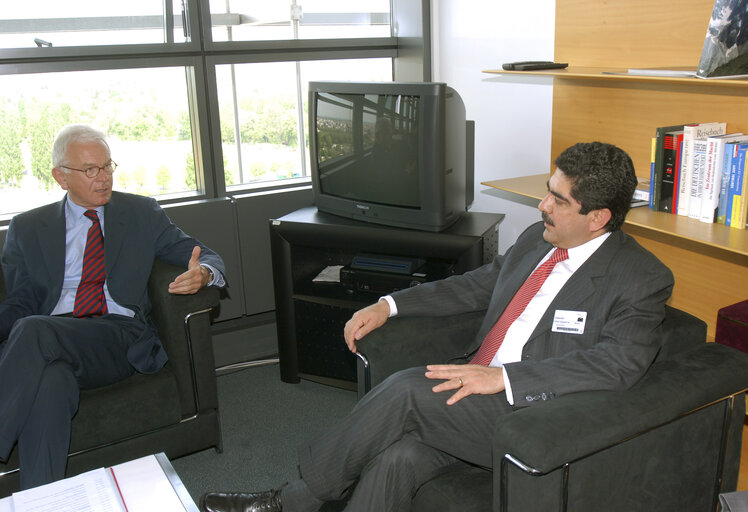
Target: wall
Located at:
point(512, 115)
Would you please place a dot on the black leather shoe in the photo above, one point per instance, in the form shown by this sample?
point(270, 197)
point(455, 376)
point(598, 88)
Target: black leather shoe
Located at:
point(268, 501)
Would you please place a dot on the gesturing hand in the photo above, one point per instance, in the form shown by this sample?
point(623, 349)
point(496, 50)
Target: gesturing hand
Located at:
point(467, 379)
point(193, 279)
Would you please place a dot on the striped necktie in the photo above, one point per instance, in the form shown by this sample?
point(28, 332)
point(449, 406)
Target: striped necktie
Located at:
point(89, 298)
point(519, 302)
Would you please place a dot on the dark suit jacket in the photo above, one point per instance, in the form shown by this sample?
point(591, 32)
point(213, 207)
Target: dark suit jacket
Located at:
point(622, 287)
point(136, 231)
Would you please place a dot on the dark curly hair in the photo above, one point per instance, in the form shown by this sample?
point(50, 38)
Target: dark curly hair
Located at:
point(602, 176)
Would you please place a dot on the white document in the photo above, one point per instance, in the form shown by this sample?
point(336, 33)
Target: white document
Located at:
point(140, 485)
point(145, 487)
point(94, 491)
point(329, 274)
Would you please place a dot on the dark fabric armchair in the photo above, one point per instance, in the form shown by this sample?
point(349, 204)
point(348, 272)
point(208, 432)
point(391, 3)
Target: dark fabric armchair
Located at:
point(670, 443)
point(174, 410)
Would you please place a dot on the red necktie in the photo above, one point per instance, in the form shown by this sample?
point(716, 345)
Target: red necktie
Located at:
point(519, 302)
point(89, 299)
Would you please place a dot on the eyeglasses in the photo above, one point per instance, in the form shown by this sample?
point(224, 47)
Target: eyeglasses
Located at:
point(94, 171)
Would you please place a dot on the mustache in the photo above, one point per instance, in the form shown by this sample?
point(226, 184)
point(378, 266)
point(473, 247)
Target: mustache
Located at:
point(546, 219)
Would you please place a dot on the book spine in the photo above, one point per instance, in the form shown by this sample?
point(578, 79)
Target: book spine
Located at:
point(724, 194)
point(676, 180)
point(741, 204)
point(684, 192)
point(697, 178)
point(669, 155)
point(736, 184)
point(711, 181)
point(652, 172)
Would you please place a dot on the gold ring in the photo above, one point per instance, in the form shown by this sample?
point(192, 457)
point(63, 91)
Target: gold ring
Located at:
point(460, 379)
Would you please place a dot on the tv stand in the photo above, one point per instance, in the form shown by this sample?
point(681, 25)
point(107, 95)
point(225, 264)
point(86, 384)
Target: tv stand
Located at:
point(310, 315)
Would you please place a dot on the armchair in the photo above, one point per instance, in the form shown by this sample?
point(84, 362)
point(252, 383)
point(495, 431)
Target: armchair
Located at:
point(174, 410)
point(671, 442)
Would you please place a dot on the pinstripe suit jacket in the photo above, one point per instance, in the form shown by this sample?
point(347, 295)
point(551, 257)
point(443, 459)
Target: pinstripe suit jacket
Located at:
point(622, 287)
point(136, 231)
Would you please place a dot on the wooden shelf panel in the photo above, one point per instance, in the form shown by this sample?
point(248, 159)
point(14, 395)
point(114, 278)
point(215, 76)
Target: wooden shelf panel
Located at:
point(734, 242)
point(620, 74)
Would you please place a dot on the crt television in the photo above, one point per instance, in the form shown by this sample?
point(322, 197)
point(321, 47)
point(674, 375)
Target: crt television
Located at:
point(392, 153)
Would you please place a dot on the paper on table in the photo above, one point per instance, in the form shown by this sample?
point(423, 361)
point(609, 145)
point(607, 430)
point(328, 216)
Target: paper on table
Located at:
point(145, 487)
point(329, 274)
point(94, 491)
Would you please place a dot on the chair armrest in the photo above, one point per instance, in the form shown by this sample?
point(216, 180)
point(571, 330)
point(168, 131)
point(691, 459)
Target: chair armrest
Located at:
point(550, 434)
point(405, 342)
point(183, 323)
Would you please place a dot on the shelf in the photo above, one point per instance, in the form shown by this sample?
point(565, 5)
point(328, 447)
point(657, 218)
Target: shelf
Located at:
point(595, 73)
point(717, 236)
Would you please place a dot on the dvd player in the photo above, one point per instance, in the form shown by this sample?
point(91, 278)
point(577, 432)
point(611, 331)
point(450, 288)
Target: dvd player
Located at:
point(383, 283)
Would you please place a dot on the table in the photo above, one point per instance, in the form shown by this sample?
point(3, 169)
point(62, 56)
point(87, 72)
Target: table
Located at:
point(145, 484)
point(310, 315)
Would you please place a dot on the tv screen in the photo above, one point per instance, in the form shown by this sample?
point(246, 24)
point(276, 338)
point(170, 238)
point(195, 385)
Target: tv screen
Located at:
point(389, 152)
point(367, 147)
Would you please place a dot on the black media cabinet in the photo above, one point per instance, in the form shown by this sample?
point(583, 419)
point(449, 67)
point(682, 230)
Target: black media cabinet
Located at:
point(310, 316)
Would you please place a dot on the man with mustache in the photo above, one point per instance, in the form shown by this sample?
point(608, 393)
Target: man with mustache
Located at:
point(573, 306)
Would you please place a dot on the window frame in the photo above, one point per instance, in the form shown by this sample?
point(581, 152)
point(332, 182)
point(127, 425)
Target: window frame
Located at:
point(200, 56)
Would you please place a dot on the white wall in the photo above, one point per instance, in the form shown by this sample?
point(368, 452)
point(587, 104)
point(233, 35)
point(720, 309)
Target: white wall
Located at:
point(512, 115)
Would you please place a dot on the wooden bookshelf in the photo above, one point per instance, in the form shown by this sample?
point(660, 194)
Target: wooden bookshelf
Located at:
point(596, 99)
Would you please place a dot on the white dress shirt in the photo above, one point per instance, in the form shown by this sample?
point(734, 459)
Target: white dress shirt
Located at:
point(521, 329)
point(76, 234)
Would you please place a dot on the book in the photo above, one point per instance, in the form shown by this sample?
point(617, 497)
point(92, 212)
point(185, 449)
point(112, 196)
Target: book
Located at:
point(641, 192)
point(93, 491)
point(660, 170)
point(691, 163)
point(736, 183)
point(724, 186)
point(672, 72)
point(669, 160)
point(144, 484)
point(740, 191)
point(725, 49)
point(715, 152)
point(684, 182)
point(676, 181)
point(653, 150)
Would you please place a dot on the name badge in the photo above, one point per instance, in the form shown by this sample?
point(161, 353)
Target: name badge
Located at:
point(571, 322)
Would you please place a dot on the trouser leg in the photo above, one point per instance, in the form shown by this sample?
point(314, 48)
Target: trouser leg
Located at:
point(389, 482)
point(43, 445)
point(403, 404)
point(94, 349)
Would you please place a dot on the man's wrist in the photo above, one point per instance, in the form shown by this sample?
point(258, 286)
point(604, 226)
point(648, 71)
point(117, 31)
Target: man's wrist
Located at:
point(207, 275)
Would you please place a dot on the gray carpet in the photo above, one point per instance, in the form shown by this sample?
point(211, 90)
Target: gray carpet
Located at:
point(263, 421)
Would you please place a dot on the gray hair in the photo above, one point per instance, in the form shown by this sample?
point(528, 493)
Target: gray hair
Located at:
point(74, 133)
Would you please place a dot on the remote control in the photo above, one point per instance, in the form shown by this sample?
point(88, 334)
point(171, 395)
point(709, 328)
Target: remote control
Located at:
point(529, 65)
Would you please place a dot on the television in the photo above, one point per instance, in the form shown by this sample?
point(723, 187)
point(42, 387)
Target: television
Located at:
point(392, 153)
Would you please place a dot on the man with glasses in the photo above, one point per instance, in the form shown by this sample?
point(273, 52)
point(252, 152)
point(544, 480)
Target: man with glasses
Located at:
point(76, 314)
point(573, 306)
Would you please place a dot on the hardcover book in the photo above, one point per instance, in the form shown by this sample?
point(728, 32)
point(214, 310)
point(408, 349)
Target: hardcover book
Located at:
point(669, 161)
point(724, 188)
point(662, 179)
point(715, 152)
point(688, 183)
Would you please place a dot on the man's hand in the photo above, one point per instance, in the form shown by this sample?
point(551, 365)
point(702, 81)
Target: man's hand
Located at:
point(467, 379)
point(191, 281)
point(364, 321)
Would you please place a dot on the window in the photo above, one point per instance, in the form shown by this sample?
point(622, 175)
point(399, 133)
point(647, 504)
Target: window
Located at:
point(190, 108)
point(89, 22)
point(263, 110)
point(143, 112)
point(256, 20)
